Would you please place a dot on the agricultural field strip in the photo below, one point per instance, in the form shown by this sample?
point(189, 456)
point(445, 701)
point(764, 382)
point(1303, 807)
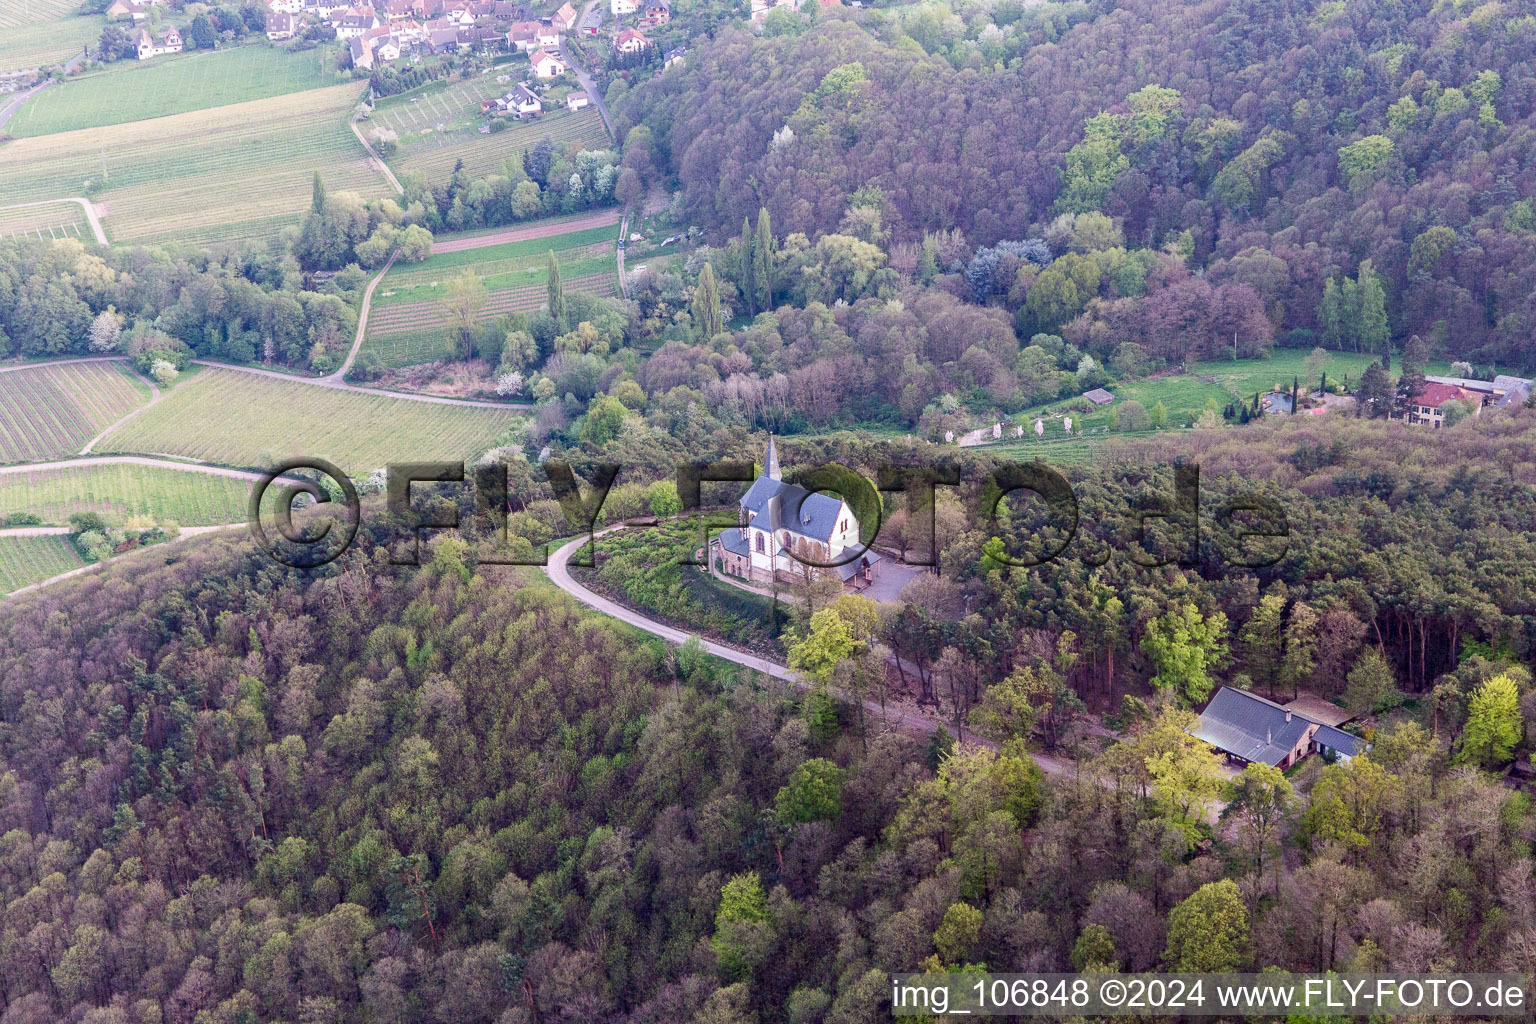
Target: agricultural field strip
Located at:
point(483, 153)
point(360, 432)
point(171, 493)
point(256, 73)
point(510, 256)
point(26, 560)
point(199, 163)
point(406, 316)
point(14, 13)
point(430, 286)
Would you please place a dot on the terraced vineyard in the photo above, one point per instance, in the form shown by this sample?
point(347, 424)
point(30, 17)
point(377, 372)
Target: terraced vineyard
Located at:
point(406, 325)
point(131, 91)
point(165, 495)
point(48, 411)
point(38, 33)
point(437, 127)
point(245, 419)
point(55, 220)
point(235, 172)
point(412, 332)
point(26, 560)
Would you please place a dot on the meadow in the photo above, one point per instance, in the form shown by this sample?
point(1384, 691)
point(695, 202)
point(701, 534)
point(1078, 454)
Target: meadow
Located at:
point(165, 495)
point(438, 125)
point(132, 91)
point(26, 560)
point(251, 420)
point(38, 33)
point(237, 172)
point(406, 324)
point(55, 220)
point(50, 411)
point(1185, 396)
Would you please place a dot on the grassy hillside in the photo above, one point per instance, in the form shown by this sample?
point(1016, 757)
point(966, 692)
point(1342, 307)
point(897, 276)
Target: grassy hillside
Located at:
point(131, 91)
point(166, 495)
point(241, 171)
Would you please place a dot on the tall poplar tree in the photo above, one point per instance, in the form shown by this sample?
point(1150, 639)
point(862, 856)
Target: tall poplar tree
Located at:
point(762, 260)
point(707, 321)
point(556, 294)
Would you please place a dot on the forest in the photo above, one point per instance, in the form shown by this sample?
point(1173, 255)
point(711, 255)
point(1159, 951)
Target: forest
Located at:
point(237, 792)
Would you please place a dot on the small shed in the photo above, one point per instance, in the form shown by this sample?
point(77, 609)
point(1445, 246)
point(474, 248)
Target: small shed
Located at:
point(1098, 396)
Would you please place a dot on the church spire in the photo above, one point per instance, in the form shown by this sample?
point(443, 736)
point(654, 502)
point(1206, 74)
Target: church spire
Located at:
point(771, 465)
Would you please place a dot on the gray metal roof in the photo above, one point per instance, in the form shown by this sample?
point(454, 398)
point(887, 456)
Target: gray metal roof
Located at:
point(1345, 743)
point(847, 569)
point(1098, 396)
point(801, 512)
point(1250, 727)
point(734, 542)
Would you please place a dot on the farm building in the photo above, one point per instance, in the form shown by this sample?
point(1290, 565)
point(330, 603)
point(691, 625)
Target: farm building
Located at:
point(576, 99)
point(149, 46)
point(1247, 728)
point(630, 41)
point(778, 518)
point(279, 26)
point(1098, 396)
point(547, 65)
point(126, 9)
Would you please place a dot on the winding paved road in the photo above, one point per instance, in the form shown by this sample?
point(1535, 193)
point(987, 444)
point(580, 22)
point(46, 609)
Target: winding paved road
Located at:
point(559, 573)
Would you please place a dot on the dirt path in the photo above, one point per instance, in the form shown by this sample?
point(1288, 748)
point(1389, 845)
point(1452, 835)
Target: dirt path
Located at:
point(185, 533)
point(34, 531)
point(602, 219)
point(85, 204)
point(155, 394)
point(186, 466)
point(378, 161)
point(362, 322)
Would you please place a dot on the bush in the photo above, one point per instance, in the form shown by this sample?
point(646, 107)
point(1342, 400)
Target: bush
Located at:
point(23, 519)
point(1132, 415)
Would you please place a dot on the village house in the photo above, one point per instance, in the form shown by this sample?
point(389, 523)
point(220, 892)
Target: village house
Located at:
point(279, 26)
point(397, 10)
point(148, 46)
point(361, 51)
point(523, 36)
point(576, 99)
point(592, 23)
point(354, 22)
point(675, 56)
point(621, 8)
point(565, 18)
point(760, 8)
point(507, 10)
point(1427, 407)
point(547, 35)
point(776, 519)
point(323, 9)
point(547, 65)
point(630, 41)
point(1249, 729)
point(657, 12)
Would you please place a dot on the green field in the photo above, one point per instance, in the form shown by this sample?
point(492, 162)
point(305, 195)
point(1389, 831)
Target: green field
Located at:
point(166, 495)
point(132, 91)
point(53, 220)
point(247, 419)
point(438, 125)
point(26, 560)
point(49, 411)
point(406, 324)
point(232, 173)
point(38, 33)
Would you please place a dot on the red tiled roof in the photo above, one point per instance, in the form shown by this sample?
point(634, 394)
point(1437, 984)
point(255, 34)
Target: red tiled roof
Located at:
point(1432, 394)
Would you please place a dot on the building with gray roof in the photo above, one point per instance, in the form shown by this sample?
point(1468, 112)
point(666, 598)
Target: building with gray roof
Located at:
point(1248, 728)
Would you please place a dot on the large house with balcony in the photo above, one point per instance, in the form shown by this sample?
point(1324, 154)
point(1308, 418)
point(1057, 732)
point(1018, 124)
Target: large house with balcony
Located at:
point(778, 522)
